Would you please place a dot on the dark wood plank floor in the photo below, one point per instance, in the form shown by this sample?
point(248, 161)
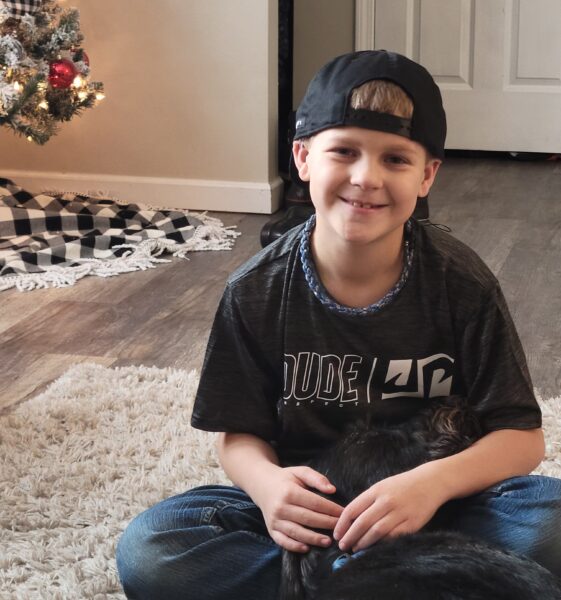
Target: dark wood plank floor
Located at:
point(509, 212)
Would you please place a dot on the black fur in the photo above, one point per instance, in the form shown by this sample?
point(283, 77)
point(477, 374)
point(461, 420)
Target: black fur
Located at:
point(422, 566)
point(439, 566)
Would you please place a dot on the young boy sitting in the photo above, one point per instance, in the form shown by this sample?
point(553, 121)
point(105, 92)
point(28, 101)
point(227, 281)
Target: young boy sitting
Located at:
point(362, 313)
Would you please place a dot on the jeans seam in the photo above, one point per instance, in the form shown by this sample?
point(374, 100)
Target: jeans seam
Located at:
point(208, 513)
point(263, 538)
point(207, 517)
point(222, 504)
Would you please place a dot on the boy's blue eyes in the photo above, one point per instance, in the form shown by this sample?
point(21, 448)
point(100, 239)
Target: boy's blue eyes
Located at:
point(344, 151)
point(397, 160)
point(391, 158)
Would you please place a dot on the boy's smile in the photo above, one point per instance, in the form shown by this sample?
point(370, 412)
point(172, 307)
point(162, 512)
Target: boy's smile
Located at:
point(364, 184)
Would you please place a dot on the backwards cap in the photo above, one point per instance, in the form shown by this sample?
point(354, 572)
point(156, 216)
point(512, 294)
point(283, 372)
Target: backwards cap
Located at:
point(326, 103)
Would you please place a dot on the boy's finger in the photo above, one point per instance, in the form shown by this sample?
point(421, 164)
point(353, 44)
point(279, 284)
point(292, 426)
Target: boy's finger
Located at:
point(300, 534)
point(386, 527)
point(352, 511)
point(310, 518)
point(288, 543)
point(369, 527)
point(314, 479)
point(318, 504)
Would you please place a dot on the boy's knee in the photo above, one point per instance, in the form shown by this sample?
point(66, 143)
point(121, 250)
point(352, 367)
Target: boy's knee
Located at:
point(152, 552)
point(551, 487)
point(166, 548)
point(145, 562)
point(534, 487)
point(136, 557)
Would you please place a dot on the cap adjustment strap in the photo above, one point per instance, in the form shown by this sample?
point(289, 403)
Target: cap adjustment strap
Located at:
point(369, 119)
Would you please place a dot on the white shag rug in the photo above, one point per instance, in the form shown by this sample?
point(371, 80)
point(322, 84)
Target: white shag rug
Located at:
point(100, 445)
point(78, 462)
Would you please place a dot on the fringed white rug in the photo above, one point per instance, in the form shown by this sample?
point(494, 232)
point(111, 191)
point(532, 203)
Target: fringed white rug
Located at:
point(83, 458)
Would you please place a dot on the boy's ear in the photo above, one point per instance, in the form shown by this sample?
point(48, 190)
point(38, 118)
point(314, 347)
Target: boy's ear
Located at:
point(431, 169)
point(300, 155)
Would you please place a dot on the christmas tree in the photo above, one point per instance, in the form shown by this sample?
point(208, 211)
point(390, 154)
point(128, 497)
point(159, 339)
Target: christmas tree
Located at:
point(43, 69)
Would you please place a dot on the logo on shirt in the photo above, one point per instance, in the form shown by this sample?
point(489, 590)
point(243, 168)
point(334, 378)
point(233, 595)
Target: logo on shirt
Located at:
point(309, 376)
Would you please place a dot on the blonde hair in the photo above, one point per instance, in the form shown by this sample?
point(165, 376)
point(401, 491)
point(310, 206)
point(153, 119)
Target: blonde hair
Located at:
point(383, 96)
point(379, 95)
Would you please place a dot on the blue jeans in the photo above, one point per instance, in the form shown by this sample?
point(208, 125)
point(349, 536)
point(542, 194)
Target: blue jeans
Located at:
point(211, 543)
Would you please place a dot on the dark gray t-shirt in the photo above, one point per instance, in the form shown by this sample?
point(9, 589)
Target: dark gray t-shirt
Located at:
point(285, 367)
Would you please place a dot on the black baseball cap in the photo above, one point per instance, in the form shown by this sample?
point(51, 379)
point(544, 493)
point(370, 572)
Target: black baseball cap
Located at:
point(326, 103)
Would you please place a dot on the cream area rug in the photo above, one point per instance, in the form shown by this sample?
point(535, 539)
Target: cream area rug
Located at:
point(78, 462)
point(100, 445)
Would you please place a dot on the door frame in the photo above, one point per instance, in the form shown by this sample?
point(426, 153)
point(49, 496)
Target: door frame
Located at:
point(365, 14)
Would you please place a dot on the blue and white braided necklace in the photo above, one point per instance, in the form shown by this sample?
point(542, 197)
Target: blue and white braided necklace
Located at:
point(321, 293)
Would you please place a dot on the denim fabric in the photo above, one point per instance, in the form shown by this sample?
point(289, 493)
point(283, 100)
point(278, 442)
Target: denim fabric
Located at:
point(522, 514)
point(211, 543)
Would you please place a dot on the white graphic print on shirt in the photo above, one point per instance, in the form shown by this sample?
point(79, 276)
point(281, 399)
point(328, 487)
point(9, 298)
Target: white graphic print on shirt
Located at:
point(309, 376)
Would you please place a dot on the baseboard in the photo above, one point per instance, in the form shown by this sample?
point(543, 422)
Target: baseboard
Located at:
point(194, 194)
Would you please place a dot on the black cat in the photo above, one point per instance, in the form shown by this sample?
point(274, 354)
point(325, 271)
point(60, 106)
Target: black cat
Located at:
point(428, 565)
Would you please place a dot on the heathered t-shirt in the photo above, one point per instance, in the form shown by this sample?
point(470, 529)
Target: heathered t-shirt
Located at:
point(284, 366)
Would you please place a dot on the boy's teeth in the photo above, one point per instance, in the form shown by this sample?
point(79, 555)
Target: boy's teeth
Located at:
point(360, 205)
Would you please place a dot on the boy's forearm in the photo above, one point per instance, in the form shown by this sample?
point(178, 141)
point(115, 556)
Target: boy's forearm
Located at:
point(245, 458)
point(495, 457)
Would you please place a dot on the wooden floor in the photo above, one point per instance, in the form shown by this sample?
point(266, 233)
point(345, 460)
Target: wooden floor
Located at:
point(509, 212)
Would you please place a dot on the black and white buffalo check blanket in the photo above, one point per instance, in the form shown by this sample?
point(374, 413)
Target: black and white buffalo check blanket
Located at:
point(54, 240)
point(18, 8)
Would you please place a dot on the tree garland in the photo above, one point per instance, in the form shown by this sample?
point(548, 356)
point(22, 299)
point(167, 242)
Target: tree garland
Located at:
point(43, 69)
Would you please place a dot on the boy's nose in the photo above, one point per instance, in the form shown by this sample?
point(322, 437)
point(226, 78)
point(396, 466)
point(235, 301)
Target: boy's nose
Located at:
point(366, 174)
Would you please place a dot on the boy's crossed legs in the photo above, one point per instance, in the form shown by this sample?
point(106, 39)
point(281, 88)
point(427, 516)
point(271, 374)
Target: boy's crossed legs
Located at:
point(212, 542)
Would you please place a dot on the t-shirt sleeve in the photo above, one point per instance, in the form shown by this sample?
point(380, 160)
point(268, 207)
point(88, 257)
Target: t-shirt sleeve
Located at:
point(494, 369)
point(238, 389)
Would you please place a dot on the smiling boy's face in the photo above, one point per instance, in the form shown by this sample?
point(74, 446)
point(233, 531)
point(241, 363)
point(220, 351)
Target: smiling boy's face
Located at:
point(364, 184)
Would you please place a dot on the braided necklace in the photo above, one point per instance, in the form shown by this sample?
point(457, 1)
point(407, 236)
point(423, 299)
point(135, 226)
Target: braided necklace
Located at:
point(321, 293)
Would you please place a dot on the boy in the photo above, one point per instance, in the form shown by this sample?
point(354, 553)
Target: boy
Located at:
point(360, 314)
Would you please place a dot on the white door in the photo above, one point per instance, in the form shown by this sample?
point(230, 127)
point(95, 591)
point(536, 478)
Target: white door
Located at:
point(497, 62)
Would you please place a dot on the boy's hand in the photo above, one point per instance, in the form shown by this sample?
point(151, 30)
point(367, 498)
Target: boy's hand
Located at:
point(290, 509)
point(394, 506)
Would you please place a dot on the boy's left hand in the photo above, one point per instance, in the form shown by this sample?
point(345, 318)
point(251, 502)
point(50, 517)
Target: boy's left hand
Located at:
point(394, 506)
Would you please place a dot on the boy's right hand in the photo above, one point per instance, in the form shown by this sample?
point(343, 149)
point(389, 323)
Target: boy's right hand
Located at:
point(290, 509)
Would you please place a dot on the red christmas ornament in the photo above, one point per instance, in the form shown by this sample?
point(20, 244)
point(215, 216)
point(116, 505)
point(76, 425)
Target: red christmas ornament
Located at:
point(62, 73)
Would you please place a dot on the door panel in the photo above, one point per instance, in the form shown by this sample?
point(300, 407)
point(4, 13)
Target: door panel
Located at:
point(535, 42)
point(497, 62)
point(447, 52)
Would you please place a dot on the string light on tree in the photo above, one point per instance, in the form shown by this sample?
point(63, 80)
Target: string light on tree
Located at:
point(44, 71)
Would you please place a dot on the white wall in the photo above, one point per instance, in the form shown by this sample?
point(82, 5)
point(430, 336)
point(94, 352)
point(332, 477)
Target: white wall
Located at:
point(190, 115)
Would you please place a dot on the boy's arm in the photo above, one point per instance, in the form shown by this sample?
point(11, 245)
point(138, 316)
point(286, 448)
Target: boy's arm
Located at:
point(497, 456)
point(406, 502)
point(288, 506)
